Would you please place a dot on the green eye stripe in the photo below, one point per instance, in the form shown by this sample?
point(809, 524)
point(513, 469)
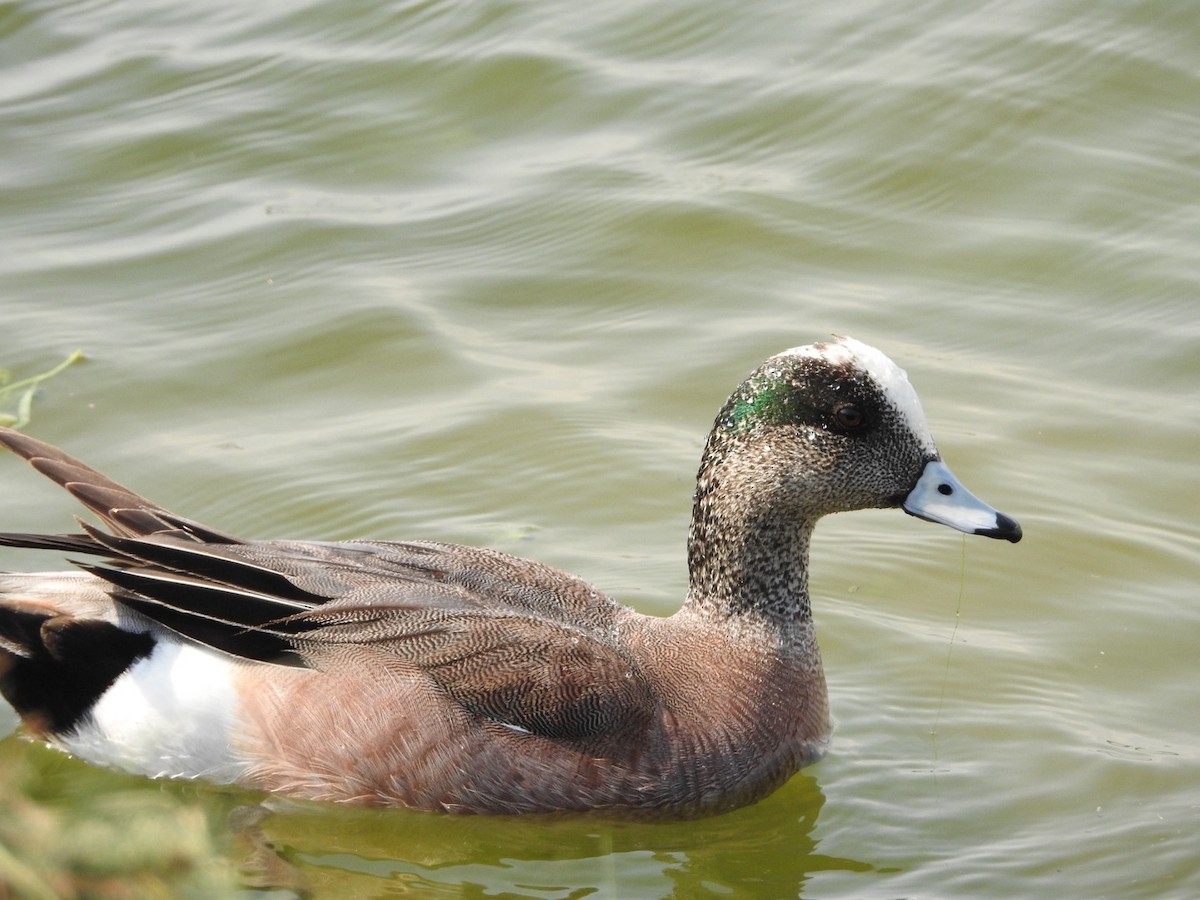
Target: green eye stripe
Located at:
point(762, 401)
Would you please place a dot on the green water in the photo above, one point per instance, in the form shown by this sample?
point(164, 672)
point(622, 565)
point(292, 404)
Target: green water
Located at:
point(485, 273)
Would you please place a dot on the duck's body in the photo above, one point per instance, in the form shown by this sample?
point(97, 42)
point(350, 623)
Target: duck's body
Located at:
point(449, 678)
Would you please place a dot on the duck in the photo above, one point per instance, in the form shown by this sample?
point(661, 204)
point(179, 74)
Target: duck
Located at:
point(456, 679)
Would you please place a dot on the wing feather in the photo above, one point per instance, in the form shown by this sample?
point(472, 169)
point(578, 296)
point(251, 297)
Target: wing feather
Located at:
point(523, 644)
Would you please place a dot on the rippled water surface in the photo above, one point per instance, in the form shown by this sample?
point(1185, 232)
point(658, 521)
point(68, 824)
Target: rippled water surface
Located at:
point(484, 272)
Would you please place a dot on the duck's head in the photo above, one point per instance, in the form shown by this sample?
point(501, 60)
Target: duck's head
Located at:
point(837, 426)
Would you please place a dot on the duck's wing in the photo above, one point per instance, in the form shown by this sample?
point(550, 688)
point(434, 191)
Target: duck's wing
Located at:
point(539, 653)
point(524, 671)
point(523, 644)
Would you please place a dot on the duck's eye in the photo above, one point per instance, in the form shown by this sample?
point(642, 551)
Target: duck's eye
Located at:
point(847, 415)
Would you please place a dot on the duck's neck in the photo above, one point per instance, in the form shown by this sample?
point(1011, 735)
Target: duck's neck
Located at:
point(746, 560)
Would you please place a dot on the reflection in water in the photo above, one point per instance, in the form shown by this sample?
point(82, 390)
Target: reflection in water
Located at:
point(768, 848)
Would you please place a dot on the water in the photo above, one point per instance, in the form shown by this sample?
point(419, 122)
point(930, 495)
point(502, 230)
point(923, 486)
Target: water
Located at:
point(485, 272)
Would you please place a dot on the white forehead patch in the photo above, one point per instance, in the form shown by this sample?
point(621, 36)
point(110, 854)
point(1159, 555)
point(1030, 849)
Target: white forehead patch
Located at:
point(892, 379)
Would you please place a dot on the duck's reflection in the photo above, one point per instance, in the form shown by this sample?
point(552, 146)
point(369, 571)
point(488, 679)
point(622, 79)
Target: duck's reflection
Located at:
point(765, 850)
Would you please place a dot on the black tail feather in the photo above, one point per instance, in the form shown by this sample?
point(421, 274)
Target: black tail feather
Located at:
point(206, 563)
point(63, 543)
point(53, 668)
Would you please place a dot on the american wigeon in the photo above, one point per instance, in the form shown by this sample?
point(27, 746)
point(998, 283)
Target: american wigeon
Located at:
point(450, 678)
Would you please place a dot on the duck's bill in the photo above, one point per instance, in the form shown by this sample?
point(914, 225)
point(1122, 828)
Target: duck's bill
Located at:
point(939, 497)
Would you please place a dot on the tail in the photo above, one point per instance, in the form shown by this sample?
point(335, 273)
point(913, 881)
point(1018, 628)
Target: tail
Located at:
point(61, 646)
point(121, 510)
point(66, 637)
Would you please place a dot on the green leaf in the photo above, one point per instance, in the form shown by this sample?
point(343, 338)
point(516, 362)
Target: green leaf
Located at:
point(27, 387)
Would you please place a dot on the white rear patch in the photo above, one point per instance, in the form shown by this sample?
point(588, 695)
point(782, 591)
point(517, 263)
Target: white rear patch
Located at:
point(171, 715)
point(892, 379)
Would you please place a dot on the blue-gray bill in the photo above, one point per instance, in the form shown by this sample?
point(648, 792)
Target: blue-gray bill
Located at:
point(940, 497)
